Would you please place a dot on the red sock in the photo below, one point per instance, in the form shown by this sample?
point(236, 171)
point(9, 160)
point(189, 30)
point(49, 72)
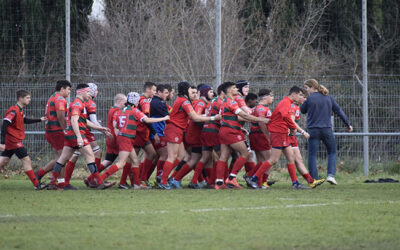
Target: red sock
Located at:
point(54, 177)
point(176, 162)
point(150, 171)
point(249, 166)
point(98, 178)
point(168, 166)
point(226, 170)
point(141, 169)
point(69, 169)
point(110, 171)
point(198, 169)
point(125, 172)
point(136, 175)
point(292, 171)
point(201, 177)
point(220, 170)
point(146, 168)
point(265, 178)
point(183, 172)
point(308, 178)
point(238, 165)
point(41, 172)
point(254, 170)
point(98, 164)
point(160, 165)
point(210, 175)
point(32, 177)
point(262, 169)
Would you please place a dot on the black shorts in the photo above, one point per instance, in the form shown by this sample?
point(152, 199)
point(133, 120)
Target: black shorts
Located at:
point(111, 157)
point(19, 152)
point(215, 148)
point(196, 150)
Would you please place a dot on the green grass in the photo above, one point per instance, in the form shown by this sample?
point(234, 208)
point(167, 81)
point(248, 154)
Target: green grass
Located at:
point(352, 215)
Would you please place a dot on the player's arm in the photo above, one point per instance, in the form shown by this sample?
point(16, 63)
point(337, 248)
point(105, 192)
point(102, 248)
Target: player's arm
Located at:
point(93, 119)
point(61, 119)
point(299, 129)
point(199, 118)
point(97, 127)
point(4, 127)
point(249, 117)
point(147, 119)
point(31, 120)
point(337, 110)
point(75, 127)
point(263, 127)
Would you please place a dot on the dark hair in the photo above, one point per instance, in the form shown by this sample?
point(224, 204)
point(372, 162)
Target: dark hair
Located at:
point(295, 89)
point(22, 93)
point(219, 89)
point(250, 96)
point(62, 84)
point(148, 85)
point(168, 86)
point(227, 85)
point(240, 84)
point(82, 86)
point(199, 86)
point(264, 92)
point(161, 87)
point(183, 89)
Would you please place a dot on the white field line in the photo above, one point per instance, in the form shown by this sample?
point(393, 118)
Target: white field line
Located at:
point(224, 209)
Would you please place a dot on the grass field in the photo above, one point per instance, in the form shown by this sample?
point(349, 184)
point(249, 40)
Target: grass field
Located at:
point(352, 215)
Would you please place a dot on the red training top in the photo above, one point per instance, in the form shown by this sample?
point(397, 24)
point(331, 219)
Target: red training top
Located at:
point(16, 130)
point(179, 114)
point(281, 120)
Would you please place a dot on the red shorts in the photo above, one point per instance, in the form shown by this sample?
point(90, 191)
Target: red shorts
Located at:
point(279, 140)
point(56, 140)
point(259, 142)
point(228, 136)
point(73, 143)
point(90, 136)
point(162, 143)
point(209, 139)
point(142, 139)
point(173, 134)
point(111, 146)
point(192, 140)
point(125, 143)
point(293, 141)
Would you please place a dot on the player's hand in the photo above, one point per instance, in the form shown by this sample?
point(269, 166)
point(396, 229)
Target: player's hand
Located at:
point(217, 117)
point(245, 131)
point(350, 129)
point(265, 120)
point(43, 118)
point(156, 139)
point(2, 147)
point(105, 130)
point(108, 135)
point(306, 135)
point(166, 117)
point(80, 142)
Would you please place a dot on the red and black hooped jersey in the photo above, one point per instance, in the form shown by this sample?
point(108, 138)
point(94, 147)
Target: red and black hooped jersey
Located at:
point(128, 119)
point(229, 117)
point(260, 111)
point(55, 103)
point(213, 109)
point(77, 107)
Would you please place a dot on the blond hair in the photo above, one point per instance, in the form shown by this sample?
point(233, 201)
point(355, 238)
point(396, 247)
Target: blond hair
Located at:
point(312, 83)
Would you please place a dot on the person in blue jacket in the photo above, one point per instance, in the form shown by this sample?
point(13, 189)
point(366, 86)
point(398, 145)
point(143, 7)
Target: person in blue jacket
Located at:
point(319, 107)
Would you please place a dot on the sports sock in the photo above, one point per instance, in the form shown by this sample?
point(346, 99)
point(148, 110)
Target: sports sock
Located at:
point(183, 172)
point(98, 164)
point(238, 165)
point(146, 168)
point(41, 172)
point(125, 172)
point(56, 172)
point(265, 178)
point(178, 167)
point(198, 169)
point(136, 175)
point(248, 166)
point(292, 171)
point(32, 177)
point(168, 166)
point(210, 176)
point(254, 170)
point(150, 171)
point(201, 177)
point(160, 165)
point(220, 171)
point(262, 169)
point(308, 178)
point(226, 170)
point(69, 169)
point(141, 170)
point(111, 170)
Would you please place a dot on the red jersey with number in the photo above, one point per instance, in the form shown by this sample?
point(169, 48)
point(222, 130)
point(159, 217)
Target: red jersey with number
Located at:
point(179, 113)
point(55, 103)
point(212, 110)
point(260, 111)
point(229, 118)
point(281, 119)
point(194, 128)
point(77, 107)
point(144, 107)
point(128, 119)
point(110, 118)
point(16, 130)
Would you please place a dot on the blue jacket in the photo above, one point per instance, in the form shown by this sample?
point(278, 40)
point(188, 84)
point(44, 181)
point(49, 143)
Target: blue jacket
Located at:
point(319, 111)
point(158, 108)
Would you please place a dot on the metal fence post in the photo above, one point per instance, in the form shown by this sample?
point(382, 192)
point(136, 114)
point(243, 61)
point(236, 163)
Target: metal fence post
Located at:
point(67, 44)
point(365, 86)
point(218, 45)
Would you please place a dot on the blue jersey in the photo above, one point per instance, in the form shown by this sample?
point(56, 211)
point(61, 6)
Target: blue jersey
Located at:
point(158, 108)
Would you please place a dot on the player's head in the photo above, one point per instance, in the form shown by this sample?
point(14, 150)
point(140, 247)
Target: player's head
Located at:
point(206, 91)
point(251, 100)
point(132, 98)
point(229, 88)
point(220, 93)
point(193, 93)
point(312, 85)
point(93, 90)
point(82, 90)
point(64, 87)
point(200, 86)
point(162, 92)
point(149, 89)
point(295, 92)
point(266, 96)
point(170, 90)
point(302, 97)
point(119, 100)
point(243, 87)
point(23, 97)
point(183, 89)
